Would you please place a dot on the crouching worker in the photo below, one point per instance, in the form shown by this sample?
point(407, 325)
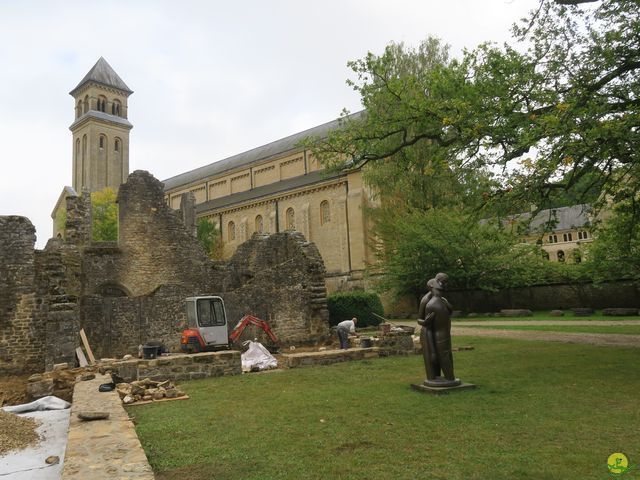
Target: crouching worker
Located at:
point(344, 329)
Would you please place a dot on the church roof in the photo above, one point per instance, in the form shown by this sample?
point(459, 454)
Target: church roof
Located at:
point(275, 188)
point(103, 74)
point(556, 219)
point(264, 152)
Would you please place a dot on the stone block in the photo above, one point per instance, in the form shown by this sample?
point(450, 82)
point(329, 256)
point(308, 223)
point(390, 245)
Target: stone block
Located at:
point(620, 312)
point(40, 389)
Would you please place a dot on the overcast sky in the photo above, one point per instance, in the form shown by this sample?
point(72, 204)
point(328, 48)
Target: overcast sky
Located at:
point(211, 79)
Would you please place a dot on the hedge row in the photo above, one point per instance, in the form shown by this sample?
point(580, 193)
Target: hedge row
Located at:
point(362, 305)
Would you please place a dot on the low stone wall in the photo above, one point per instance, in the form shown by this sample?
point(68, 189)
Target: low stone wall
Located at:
point(327, 357)
point(179, 367)
point(395, 343)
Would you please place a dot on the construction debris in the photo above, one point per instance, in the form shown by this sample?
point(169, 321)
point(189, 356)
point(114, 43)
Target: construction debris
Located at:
point(147, 390)
point(17, 433)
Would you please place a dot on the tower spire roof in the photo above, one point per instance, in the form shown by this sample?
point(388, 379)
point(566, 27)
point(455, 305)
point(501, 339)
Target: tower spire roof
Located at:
point(103, 74)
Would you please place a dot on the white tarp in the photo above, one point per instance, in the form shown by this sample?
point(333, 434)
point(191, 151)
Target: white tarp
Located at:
point(257, 357)
point(29, 464)
point(44, 403)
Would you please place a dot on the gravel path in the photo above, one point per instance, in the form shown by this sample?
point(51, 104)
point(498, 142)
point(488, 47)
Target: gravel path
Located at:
point(576, 323)
point(606, 339)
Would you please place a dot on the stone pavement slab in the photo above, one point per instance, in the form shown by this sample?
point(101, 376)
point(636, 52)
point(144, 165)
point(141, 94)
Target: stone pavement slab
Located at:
point(102, 449)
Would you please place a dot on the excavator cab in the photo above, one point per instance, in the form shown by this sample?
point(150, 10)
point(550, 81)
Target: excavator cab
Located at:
point(207, 322)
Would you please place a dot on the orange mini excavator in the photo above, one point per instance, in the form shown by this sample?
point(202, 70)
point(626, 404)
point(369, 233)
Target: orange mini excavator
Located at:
point(208, 327)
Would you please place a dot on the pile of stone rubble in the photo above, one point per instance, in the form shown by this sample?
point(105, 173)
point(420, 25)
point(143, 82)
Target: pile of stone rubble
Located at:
point(147, 390)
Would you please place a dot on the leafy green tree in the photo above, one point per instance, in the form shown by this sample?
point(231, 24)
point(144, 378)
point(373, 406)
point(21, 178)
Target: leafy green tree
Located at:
point(547, 114)
point(615, 252)
point(209, 237)
point(105, 215)
point(474, 254)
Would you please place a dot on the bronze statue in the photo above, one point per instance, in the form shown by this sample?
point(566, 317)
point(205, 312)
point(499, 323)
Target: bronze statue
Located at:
point(435, 335)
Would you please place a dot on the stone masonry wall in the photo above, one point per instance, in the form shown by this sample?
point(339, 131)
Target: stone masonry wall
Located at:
point(127, 293)
point(549, 297)
point(280, 278)
point(21, 332)
point(157, 249)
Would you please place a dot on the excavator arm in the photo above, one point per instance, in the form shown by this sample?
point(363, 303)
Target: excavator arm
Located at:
point(251, 320)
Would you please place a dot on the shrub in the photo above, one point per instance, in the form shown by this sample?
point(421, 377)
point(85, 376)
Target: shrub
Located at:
point(346, 305)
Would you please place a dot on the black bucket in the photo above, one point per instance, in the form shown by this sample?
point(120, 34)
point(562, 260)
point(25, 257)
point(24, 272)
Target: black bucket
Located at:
point(149, 351)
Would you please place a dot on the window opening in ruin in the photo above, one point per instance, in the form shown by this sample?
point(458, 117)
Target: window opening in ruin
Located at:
point(259, 224)
point(560, 256)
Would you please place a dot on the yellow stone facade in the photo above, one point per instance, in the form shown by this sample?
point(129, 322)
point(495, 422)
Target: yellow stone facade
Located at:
point(276, 188)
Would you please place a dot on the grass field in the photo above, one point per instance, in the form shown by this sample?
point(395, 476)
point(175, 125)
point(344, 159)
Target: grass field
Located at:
point(541, 411)
point(623, 329)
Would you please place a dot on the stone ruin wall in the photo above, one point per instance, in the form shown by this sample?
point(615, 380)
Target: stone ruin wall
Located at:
point(126, 293)
point(21, 332)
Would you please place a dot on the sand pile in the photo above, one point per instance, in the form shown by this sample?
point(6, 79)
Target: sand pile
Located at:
point(17, 433)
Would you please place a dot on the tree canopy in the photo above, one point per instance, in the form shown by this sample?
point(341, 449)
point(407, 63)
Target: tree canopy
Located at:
point(105, 215)
point(559, 104)
point(549, 119)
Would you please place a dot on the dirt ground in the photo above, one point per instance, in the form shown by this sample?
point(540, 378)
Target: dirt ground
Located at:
point(13, 390)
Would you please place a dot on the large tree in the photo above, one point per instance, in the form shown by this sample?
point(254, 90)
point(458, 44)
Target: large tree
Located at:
point(558, 104)
point(552, 117)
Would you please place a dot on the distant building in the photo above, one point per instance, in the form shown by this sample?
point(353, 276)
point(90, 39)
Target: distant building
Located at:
point(561, 232)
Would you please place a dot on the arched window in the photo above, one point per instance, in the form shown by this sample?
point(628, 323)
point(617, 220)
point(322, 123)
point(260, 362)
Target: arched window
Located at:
point(83, 180)
point(102, 142)
point(115, 108)
point(116, 146)
point(79, 109)
point(231, 231)
point(86, 104)
point(290, 217)
point(259, 224)
point(560, 256)
point(325, 213)
point(102, 103)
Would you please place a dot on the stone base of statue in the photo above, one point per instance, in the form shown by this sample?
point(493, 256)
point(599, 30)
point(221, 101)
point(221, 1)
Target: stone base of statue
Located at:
point(440, 386)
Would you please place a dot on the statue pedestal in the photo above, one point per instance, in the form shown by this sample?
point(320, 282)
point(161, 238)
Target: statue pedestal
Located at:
point(441, 390)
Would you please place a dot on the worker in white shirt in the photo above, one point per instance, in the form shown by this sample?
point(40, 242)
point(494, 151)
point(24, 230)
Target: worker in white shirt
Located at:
point(346, 328)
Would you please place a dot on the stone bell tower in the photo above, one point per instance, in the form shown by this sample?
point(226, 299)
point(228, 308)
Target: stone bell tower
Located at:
point(100, 130)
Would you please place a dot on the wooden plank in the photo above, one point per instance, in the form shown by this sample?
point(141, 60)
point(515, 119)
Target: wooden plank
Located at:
point(85, 342)
point(146, 402)
point(81, 358)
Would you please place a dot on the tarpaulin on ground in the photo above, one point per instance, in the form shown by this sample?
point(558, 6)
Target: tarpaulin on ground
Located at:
point(29, 463)
point(257, 357)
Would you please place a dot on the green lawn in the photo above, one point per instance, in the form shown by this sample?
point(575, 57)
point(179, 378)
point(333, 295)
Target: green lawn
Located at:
point(624, 329)
point(541, 411)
